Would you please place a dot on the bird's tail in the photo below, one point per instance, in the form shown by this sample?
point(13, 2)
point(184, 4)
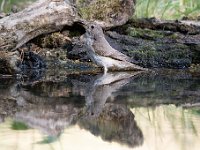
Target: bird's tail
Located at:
point(124, 65)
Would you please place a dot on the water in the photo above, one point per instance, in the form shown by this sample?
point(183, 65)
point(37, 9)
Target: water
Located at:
point(146, 111)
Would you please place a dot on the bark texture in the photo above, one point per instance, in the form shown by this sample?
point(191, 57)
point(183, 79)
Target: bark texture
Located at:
point(46, 16)
point(42, 17)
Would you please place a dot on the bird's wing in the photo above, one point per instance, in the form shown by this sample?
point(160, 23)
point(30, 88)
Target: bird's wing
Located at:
point(119, 56)
point(112, 53)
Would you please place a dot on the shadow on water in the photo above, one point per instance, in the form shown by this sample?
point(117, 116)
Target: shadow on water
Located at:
point(98, 103)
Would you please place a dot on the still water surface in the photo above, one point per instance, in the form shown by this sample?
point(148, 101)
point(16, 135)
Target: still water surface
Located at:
point(116, 111)
point(119, 111)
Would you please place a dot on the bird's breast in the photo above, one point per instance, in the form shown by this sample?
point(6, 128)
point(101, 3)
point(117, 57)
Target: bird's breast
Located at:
point(105, 61)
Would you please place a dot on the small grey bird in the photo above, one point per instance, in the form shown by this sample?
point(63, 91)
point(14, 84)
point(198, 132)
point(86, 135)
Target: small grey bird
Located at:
point(101, 53)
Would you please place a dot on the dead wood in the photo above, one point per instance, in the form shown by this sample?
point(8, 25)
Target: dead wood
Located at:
point(44, 16)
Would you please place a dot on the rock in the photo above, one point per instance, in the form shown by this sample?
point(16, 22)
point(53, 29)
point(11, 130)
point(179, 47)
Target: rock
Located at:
point(152, 53)
point(109, 13)
point(146, 53)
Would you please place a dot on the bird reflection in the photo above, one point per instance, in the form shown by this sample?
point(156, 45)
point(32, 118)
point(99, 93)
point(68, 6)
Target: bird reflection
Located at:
point(51, 114)
point(101, 88)
point(113, 122)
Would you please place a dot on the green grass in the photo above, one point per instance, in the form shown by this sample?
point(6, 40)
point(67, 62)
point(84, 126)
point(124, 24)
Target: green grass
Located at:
point(167, 9)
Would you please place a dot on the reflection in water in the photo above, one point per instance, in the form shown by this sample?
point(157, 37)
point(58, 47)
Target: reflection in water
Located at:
point(111, 122)
point(168, 127)
point(51, 120)
point(114, 123)
point(51, 112)
point(81, 106)
point(100, 88)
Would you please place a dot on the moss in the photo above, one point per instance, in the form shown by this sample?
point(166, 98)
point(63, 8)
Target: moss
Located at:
point(195, 69)
point(174, 36)
point(53, 40)
point(150, 34)
point(147, 33)
point(145, 52)
point(161, 55)
point(99, 9)
point(175, 55)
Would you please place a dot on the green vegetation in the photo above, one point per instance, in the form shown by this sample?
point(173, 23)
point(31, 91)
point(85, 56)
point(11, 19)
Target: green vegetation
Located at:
point(16, 125)
point(100, 9)
point(167, 9)
point(6, 5)
point(145, 33)
point(195, 111)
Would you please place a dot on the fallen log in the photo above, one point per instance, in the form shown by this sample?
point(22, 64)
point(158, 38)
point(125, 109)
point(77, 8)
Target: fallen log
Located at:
point(44, 16)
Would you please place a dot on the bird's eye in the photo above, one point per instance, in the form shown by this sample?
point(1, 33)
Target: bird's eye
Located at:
point(92, 27)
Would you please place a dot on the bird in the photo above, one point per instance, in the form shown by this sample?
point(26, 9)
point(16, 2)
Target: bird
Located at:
point(99, 88)
point(101, 53)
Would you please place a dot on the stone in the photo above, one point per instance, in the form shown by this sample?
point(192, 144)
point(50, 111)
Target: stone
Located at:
point(108, 13)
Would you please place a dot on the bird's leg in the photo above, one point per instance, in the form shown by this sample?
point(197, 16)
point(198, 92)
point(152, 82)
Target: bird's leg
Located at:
point(105, 70)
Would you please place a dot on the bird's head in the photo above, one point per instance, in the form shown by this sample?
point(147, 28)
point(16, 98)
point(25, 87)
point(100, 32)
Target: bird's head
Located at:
point(94, 30)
